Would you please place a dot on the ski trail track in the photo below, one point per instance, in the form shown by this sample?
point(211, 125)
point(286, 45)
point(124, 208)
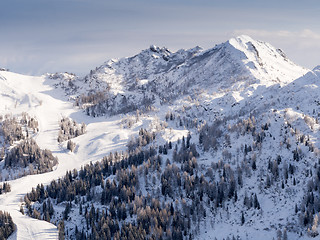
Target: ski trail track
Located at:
point(39, 98)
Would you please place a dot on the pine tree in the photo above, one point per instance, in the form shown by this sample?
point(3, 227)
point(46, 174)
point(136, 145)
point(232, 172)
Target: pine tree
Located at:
point(285, 235)
point(256, 203)
point(235, 196)
point(21, 209)
point(71, 145)
point(279, 235)
point(314, 230)
point(242, 218)
point(61, 230)
point(254, 165)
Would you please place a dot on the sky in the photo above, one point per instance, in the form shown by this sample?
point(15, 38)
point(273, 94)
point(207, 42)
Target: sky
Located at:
point(39, 36)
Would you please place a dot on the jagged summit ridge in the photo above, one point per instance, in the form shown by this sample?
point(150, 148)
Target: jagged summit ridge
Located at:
point(149, 64)
point(239, 58)
point(157, 75)
point(264, 61)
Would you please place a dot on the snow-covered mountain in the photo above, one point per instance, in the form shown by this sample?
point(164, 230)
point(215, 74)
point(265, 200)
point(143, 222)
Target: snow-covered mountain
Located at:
point(238, 59)
point(242, 123)
point(158, 75)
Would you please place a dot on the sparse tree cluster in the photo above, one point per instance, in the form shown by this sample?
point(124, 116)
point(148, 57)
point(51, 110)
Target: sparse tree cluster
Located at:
point(5, 187)
point(119, 104)
point(30, 122)
point(102, 101)
point(11, 130)
point(209, 135)
point(7, 226)
point(71, 145)
point(27, 154)
point(310, 205)
point(145, 137)
point(65, 81)
point(70, 129)
point(92, 98)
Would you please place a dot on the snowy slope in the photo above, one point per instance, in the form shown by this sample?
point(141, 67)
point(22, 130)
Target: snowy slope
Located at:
point(232, 81)
point(39, 98)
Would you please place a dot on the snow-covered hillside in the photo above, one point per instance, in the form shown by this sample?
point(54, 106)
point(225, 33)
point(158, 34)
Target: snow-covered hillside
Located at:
point(242, 123)
point(39, 98)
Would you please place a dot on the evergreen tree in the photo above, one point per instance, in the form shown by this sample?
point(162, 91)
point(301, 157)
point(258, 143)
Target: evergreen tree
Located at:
point(242, 218)
point(61, 230)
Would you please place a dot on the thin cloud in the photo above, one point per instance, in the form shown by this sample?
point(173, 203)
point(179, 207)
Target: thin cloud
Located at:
point(305, 33)
point(83, 34)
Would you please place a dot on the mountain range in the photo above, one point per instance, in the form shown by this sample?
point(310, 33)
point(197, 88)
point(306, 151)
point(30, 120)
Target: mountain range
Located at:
point(218, 144)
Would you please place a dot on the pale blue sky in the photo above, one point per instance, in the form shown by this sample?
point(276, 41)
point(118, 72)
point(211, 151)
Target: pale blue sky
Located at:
point(38, 36)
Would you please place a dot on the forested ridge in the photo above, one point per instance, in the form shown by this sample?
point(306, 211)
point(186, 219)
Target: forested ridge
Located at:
point(163, 192)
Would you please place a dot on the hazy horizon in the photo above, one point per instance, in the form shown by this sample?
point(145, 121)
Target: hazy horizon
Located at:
point(77, 35)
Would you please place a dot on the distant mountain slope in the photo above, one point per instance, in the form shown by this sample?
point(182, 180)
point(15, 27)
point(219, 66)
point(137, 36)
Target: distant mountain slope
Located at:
point(234, 59)
point(159, 75)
